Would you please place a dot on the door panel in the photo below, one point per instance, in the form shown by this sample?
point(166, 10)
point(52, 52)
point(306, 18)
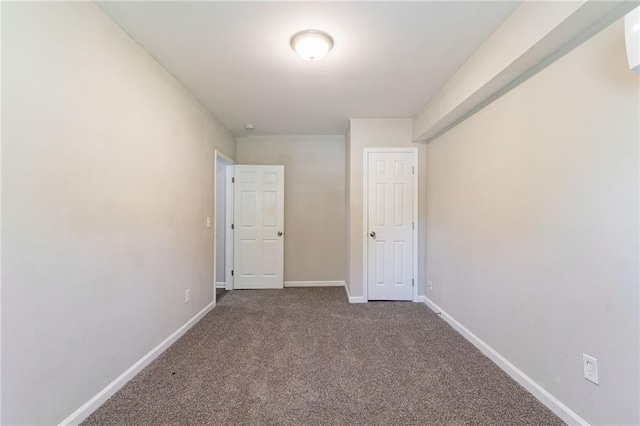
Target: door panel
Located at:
point(259, 213)
point(390, 221)
point(248, 202)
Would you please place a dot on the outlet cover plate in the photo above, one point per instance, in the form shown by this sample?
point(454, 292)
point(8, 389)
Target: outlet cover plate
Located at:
point(590, 368)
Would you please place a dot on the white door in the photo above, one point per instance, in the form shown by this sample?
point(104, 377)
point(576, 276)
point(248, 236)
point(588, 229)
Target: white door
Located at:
point(390, 226)
point(258, 227)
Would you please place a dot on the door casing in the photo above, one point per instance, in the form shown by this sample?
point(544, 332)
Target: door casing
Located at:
point(365, 207)
point(228, 245)
point(228, 255)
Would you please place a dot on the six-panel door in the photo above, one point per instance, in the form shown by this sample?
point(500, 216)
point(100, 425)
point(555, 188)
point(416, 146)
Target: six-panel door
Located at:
point(259, 227)
point(390, 226)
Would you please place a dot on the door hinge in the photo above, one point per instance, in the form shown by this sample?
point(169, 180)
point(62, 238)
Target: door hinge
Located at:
point(412, 227)
point(233, 180)
point(413, 170)
point(232, 272)
point(232, 226)
point(412, 281)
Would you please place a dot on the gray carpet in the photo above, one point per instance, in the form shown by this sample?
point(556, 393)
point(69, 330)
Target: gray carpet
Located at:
point(305, 356)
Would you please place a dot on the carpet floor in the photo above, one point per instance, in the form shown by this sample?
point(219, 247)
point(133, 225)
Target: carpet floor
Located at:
point(306, 356)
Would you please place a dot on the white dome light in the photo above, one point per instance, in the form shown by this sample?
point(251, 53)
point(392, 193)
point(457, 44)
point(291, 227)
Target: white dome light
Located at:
point(311, 45)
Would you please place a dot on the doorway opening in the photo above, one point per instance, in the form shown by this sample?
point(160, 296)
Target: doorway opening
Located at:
point(223, 214)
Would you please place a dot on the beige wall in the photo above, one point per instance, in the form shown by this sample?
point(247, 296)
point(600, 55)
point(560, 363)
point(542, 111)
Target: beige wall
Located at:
point(532, 227)
point(314, 246)
point(107, 180)
point(367, 133)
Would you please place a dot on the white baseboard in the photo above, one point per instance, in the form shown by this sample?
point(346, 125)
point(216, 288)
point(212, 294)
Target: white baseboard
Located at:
point(221, 284)
point(354, 299)
point(525, 381)
point(90, 406)
point(314, 283)
point(422, 299)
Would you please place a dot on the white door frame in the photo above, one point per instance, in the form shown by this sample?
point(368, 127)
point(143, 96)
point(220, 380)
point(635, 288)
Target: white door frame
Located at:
point(365, 228)
point(228, 253)
point(228, 246)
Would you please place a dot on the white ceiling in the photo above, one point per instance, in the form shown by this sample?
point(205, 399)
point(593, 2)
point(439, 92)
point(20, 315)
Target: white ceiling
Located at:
point(389, 58)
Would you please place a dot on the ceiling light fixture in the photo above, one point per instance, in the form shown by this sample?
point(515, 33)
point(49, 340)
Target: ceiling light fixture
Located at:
point(311, 45)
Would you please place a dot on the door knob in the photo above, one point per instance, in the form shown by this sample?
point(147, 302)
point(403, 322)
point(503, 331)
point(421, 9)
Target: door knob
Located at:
point(373, 234)
point(279, 233)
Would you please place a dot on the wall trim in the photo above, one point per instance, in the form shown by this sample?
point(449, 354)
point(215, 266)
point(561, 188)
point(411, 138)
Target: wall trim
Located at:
point(221, 284)
point(354, 299)
point(101, 397)
point(540, 393)
point(314, 283)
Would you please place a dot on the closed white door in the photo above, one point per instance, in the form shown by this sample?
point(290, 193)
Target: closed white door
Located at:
point(390, 226)
point(258, 227)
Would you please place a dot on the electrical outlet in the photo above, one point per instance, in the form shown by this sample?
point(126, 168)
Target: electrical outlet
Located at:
point(430, 285)
point(187, 296)
point(590, 368)
point(208, 222)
